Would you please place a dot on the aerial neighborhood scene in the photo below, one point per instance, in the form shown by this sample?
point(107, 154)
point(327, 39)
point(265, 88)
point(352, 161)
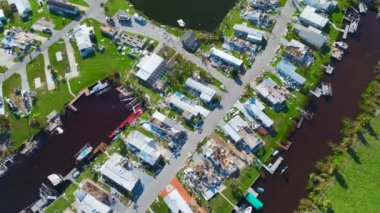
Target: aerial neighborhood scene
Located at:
point(189, 106)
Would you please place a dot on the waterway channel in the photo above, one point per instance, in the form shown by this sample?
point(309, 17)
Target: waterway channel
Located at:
point(96, 118)
point(349, 80)
point(197, 14)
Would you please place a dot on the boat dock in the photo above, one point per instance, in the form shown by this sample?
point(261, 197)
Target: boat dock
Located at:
point(271, 168)
point(29, 147)
point(285, 147)
point(337, 53)
point(317, 92)
point(326, 89)
point(83, 92)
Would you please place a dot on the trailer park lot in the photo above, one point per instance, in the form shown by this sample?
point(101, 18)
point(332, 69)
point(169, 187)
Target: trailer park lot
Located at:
point(211, 118)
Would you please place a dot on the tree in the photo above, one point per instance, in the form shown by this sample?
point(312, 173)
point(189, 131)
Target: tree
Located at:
point(6, 8)
point(35, 121)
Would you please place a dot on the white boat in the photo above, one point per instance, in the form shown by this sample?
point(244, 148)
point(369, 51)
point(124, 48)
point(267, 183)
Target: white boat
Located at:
point(363, 8)
point(329, 69)
point(353, 26)
point(342, 45)
point(248, 209)
point(181, 23)
point(3, 169)
point(55, 179)
point(84, 152)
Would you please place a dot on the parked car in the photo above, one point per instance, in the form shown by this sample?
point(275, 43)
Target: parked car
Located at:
point(47, 31)
point(124, 19)
point(110, 21)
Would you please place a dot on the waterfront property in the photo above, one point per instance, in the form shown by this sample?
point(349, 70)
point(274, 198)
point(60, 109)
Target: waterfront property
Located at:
point(91, 198)
point(265, 5)
point(190, 41)
point(244, 137)
point(309, 17)
point(83, 36)
point(143, 147)
point(150, 70)
point(22, 6)
point(298, 53)
point(287, 72)
point(219, 57)
point(166, 128)
point(255, 110)
point(205, 93)
point(325, 6)
point(249, 34)
point(62, 8)
point(311, 36)
point(271, 93)
point(116, 172)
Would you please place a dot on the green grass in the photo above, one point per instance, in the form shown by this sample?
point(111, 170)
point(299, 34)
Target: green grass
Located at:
point(159, 206)
point(235, 188)
point(113, 6)
point(38, 12)
point(36, 69)
point(79, 2)
point(3, 69)
point(20, 129)
point(361, 176)
point(64, 201)
point(59, 66)
point(100, 65)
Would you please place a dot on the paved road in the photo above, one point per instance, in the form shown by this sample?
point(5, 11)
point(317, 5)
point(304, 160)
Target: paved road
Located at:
point(152, 190)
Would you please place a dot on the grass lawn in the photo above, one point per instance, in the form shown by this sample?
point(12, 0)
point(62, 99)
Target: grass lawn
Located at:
point(113, 6)
point(159, 206)
point(59, 66)
point(36, 69)
point(79, 2)
point(235, 188)
point(3, 69)
point(38, 12)
point(361, 176)
point(19, 126)
point(64, 201)
point(100, 65)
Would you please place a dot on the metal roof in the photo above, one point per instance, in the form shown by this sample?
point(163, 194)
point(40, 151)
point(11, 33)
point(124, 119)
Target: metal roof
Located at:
point(87, 203)
point(148, 65)
point(82, 36)
point(206, 93)
point(143, 143)
point(289, 70)
point(254, 107)
point(113, 169)
point(310, 17)
point(230, 59)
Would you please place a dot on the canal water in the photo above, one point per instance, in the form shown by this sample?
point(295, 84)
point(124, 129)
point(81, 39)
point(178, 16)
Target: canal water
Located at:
point(96, 118)
point(204, 15)
point(349, 80)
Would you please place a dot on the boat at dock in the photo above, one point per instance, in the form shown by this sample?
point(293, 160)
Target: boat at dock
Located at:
point(363, 9)
point(329, 69)
point(326, 89)
point(341, 44)
point(84, 152)
point(3, 169)
point(337, 53)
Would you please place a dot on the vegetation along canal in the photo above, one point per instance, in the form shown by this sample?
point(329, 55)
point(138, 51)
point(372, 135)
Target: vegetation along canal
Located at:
point(349, 80)
point(96, 118)
point(197, 14)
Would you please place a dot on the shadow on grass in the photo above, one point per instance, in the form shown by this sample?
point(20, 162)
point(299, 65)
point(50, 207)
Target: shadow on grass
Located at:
point(371, 131)
point(353, 154)
point(362, 138)
point(340, 179)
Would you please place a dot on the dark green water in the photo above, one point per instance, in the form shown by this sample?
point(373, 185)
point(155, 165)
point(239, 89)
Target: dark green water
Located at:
point(204, 15)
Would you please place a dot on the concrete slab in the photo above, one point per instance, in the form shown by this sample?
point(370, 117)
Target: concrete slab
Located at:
point(37, 82)
point(49, 77)
point(58, 56)
point(6, 58)
point(73, 65)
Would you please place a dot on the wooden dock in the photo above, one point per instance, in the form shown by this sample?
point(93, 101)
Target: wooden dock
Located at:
point(345, 33)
